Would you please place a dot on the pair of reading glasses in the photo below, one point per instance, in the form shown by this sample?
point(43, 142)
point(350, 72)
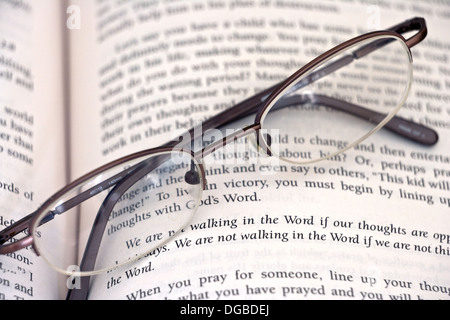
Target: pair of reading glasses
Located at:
point(141, 201)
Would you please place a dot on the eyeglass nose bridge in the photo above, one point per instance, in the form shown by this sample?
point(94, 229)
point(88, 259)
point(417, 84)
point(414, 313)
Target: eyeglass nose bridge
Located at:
point(252, 131)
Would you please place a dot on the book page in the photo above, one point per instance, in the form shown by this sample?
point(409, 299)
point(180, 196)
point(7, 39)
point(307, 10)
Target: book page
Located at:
point(369, 224)
point(32, 143)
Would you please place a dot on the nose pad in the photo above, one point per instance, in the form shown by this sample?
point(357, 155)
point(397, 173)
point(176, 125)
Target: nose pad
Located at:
point(192, 177)
point(260, 147)
point(266, 146)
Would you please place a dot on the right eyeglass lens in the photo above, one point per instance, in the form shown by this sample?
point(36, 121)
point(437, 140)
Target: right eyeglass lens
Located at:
point(340, 101)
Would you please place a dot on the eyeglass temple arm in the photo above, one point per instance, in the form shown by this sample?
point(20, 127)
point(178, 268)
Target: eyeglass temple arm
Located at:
point(403, 127)
point(101, 220)
point(96, 235)
point(415, 24)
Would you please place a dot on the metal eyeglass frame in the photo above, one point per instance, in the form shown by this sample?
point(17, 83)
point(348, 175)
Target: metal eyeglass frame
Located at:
point(259, 104)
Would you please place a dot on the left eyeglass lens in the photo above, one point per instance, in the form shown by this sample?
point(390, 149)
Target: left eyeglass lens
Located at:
point(164, 194)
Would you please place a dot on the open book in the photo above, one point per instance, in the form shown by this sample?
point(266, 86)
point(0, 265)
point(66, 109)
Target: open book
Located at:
point(85, 82)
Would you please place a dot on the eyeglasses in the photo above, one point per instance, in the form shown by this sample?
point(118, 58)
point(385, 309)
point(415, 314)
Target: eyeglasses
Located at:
point(139, 202)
